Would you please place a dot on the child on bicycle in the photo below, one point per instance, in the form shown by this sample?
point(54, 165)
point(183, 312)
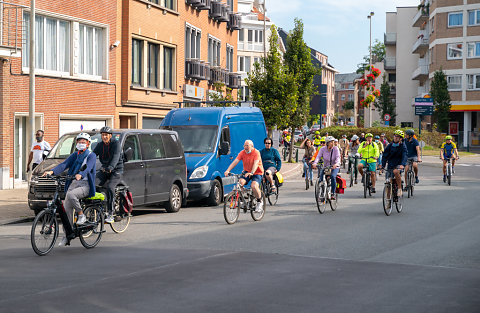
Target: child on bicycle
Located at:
point(395, 155)
point(82, 165)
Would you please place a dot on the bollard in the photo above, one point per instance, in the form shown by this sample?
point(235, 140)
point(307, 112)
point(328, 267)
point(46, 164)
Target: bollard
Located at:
point(296, 155)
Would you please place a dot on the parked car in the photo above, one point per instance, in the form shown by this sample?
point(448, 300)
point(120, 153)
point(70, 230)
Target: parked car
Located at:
point(212, 137)
point(154, 169)
point(298, 135)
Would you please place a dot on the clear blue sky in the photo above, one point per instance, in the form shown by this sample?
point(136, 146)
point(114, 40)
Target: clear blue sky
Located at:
point(338, 28)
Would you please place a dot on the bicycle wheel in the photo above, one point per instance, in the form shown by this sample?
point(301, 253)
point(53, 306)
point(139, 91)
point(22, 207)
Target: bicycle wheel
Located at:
point(91, 232)
point(366, 182)
point(351, 176)
point(412, 184)
point(449, 174)
point(257, 216)
point(409, 183)
point(273, 196)
point(320, 197)
point(306, 181)
point(44, 232)
point(387, 199)
point(399, 203)
point(333, 203)
point(231, 207)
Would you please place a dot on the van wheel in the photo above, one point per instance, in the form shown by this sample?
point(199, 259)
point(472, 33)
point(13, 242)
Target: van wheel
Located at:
point(215, 196)
point(175, 200)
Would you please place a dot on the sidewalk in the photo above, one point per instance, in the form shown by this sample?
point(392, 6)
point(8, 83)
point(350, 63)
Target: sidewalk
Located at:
point(14, 206)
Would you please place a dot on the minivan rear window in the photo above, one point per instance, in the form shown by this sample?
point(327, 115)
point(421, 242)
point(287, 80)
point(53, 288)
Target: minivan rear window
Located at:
point(197, 138)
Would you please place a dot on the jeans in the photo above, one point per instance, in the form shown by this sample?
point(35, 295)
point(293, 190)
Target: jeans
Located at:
point(307, 169)
point(355, 161)
point(379, 161)
point(109, 181)
point(333, 179)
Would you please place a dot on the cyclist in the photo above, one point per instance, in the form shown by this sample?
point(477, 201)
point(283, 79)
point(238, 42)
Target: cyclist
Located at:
point(352, 150)
point(362, 137)
point(381, 148)
point(343, 143)
point(316, 139)
point(84, 183)
point(271, 161)
point(287, 140)
point(448, 149)
point(383, 140)
point(309, 152)
point(109, 153)
point(395, 155)
point(322, 144)
point(369, 152)
point(331, 157)
point(413, 152)
point(252, 171)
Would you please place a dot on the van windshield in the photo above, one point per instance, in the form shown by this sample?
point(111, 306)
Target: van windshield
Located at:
point(66, 145)
point(197, 139)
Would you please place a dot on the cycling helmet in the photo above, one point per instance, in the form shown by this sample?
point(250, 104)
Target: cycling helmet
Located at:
point(399, 133)
point(410, 132)
point(368, 135)
point(329, 138)
point(377, 137)
point(354, 137)
point(317, 133)
point(106, 129)
point(448, 137)
point(344, 136)
point(84, 136)
point(322, 139)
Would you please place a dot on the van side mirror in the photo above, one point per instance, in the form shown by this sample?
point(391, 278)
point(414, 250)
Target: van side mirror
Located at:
point(224, 148)
point(128, 153)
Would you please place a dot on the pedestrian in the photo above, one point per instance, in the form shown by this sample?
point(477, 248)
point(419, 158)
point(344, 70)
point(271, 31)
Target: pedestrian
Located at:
point(38, 151)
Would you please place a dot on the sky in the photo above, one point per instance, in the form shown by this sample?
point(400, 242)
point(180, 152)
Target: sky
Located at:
point(338, 28)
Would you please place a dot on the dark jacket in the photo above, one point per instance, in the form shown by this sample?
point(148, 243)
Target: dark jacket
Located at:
point(110, 155)
point(271, 157)
point(89, 172)
point(395, 155)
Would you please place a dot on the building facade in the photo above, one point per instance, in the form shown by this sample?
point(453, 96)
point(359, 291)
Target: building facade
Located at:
point(345, 92)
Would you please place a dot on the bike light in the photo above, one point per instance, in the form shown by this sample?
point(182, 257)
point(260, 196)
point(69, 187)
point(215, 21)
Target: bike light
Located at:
point(199, 172)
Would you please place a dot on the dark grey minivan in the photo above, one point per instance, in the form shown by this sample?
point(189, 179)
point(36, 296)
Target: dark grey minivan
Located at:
point(155, 169)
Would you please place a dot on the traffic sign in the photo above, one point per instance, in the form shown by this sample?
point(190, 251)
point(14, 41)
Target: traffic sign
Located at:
point(424, 110)
point(423, 101)
point(421, 143)
point(387, 117)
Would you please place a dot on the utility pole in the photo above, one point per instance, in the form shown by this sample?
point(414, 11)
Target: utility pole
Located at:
point(371, 105)
point(264, 29)
point(31, 94)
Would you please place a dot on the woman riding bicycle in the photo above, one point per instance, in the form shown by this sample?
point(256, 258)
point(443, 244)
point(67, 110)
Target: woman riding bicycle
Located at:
point(82, 165)
point(396, 156)
point(271, 161)
point(331, 157)
point(307, 157)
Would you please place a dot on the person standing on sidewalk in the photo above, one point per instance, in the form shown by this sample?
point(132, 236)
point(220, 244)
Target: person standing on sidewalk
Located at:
point(109, 153)
point(39, 148)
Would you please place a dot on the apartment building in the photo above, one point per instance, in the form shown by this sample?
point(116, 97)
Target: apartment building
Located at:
point(327, 90)
point(75, 74)
point(345, 92)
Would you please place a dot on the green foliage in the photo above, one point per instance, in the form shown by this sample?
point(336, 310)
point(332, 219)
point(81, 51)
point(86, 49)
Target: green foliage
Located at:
point(378, 54)
point(385, 105)
point(441, 100)
point(274, 87)
point(219, 87)
point(376, 123)
point(313, 119)
point(349, 106)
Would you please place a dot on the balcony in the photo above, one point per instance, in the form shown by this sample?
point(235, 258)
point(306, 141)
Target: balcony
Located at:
point(219, 11)
point(234, 21)
point(390, 63)
point(390, 39)
point(197, 70)
point(421, 73)
point(421, 16)
point(393, 88)
point(11, 30)
point(218, 75)
point(234, 80)
point(199, 4)
point(421, 45)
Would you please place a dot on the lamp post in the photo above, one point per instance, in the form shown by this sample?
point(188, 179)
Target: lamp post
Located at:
point(264, 29)
point(370, 68)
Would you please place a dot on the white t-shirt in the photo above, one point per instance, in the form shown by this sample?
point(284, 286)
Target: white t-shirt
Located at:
point(38, 148)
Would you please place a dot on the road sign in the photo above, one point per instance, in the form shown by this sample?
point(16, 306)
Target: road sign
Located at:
point(424, 110)
point(387, 123)
point(423, 101)
point(386, 117)
point(421, 144)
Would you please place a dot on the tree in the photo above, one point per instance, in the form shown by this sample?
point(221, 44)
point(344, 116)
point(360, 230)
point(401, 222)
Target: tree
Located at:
point(274, 87)
point(298, 59)
point(441, 100)
point(385, 105)
point(378, 54)
point(218, 95)
point(349, 106)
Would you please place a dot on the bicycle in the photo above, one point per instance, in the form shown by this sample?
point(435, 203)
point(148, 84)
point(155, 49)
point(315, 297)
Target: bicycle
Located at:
point(121, 219)
point(323, 191)
point(241, 198)
point(267, 190)
point(352, 169)
point(367, 180)
point(410, 183)
point(308, 174)
point(449, 170)
point(390, 189)
point(45, 225)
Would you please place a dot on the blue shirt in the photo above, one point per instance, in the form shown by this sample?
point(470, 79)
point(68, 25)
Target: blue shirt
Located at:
point(411, 147)
point(271, 157)
point(394, 156)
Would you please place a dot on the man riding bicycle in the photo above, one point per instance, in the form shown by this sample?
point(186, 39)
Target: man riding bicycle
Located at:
point(331, 157)
point(271, 161)
point(343, 144)
point(413, 153)
point(317, 139)
point(395, 155)
point(109, 153)
point(252, 171)
point(369, 152)
point(82, 165)
point(448, 150)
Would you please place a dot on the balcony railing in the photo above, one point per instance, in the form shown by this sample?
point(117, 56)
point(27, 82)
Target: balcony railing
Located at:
point(390, 63)
point(11, 29)
point(421, 16)
point(390, 39)
point(234, 80)
point(421, 45)
point(234, 21)
point(420, 73)
point(199, 4)
point(219, 11)
point(197, 70)
point(218, 75)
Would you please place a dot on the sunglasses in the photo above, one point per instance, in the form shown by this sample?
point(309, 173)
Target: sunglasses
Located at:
point(268, 143)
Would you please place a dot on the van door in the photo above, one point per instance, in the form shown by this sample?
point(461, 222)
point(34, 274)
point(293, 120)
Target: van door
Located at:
point(157, 186)
point(134, 170)
point(224, 160)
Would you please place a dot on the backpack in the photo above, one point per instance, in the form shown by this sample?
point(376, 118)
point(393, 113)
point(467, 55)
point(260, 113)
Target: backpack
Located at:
point(126, 201)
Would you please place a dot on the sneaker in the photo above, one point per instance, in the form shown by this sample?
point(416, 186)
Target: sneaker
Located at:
point(453, 169)
point(444, 178)
point(81, 219)
point(259, 207)
point(332, 197)
point(64, 242)
point(416, 180)
point(303, 174)
point(373, 190)
point(109, 219)
point(311, 182)
point(348, 172)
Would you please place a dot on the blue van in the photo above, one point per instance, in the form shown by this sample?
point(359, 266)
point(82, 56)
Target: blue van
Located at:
point(212, 137)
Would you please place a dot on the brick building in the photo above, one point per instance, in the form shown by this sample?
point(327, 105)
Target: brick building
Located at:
point(344, 92)
point(76, 74)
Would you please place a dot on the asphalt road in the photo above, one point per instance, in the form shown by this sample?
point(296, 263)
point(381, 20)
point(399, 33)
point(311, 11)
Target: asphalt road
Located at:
point(425, 259)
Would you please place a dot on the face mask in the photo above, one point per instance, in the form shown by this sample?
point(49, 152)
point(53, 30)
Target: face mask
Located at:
point(38, 138)
point(395, 144)
point(81, 146)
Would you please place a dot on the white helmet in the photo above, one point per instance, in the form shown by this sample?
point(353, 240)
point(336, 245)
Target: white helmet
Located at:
point(84, 136)
point(328, 139)
point(354, 137)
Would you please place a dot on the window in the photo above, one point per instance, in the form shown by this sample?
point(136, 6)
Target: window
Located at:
point(256, 60)
point(474, 17)
point(454, 82)
point(241, 35)
point(473, 49)
point(230, 58)
point(169, 4)
point(455, 19)
point(248, 61)
point(473, 82)
point(241, 64)
point(91, 50)
point(392, 78)
point(214, 47)
point(132, 143)
point(152, 69)
point(52, 43)
point(350, 97)
point(250, 35)
point(343, 97)
point(230, 5)
point(152, 146)
point(245, 93)
point(259, 36)
point(168, 68)
point(193, 38)
point(454, 51)
point(137, 52)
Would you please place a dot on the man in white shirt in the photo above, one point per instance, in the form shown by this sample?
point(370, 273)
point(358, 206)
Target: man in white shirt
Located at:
point(38, 149)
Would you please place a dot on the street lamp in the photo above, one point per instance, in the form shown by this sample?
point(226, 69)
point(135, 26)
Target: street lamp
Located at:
point(370, 68)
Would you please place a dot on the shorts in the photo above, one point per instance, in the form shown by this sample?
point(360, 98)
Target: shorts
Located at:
point(389, 172)
point(272, 169)
point(257, 178)
point(371, 166)
point(414, 158)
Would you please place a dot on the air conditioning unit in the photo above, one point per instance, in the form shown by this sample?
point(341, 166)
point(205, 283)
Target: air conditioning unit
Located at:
point(193, 2)
point(203, 5)
point(224, 9)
